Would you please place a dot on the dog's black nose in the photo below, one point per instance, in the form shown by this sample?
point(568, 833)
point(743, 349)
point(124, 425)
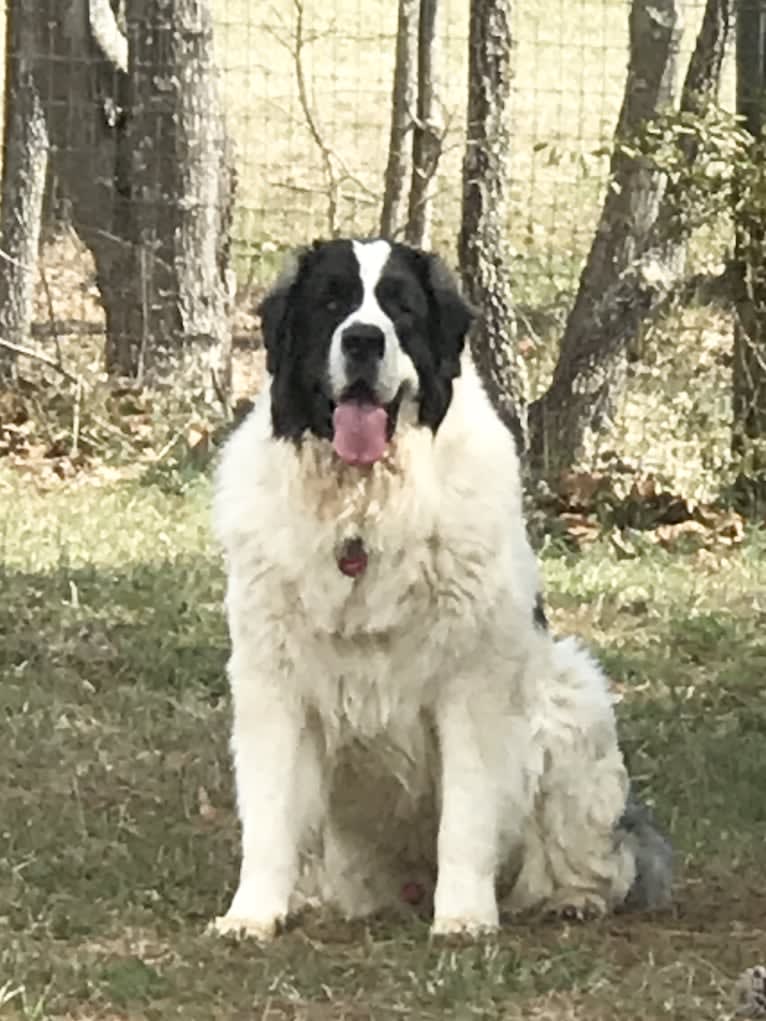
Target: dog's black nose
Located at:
point(361, 341)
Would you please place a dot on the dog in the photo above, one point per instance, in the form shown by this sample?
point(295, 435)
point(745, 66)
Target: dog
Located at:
point(405, 727)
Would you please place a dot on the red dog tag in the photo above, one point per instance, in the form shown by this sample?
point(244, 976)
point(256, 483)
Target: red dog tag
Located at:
point(352, 560)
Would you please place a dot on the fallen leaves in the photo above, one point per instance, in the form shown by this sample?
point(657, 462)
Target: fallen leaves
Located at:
point(587, 506)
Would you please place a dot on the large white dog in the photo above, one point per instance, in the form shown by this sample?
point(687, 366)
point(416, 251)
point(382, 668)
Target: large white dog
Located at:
point(405, 726)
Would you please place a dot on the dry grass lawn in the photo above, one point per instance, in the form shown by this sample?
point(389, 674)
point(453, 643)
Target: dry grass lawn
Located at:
point(117, 834)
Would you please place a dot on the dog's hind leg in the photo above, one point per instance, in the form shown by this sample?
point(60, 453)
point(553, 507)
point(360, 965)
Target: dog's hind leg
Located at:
point(587, 849)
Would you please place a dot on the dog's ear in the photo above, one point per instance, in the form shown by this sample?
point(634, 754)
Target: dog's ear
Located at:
point(453, 316)
point(449, 320)
point(274, 311)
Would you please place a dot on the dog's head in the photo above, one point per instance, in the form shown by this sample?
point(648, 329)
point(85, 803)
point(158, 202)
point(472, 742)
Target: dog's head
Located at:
point(355, 331)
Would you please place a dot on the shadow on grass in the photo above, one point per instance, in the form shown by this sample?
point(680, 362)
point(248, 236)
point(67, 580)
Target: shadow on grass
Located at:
point(693, 725)
point(160, 626)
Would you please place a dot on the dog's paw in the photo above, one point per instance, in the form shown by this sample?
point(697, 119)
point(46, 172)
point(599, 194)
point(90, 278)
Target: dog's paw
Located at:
point(475, 928)
point(262, 930)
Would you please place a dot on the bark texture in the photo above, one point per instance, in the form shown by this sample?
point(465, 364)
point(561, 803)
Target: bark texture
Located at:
point(140, 155)
point(403, 98)
point(204, 196)
point(749, 373)
point(588, 381)
point(85, 95)
point(482, 246)
point(703, 76)
point(427, 136)
point(700, 90)
point(636, 187)
point(591, 366)
point(25, 147)
point(178, 296)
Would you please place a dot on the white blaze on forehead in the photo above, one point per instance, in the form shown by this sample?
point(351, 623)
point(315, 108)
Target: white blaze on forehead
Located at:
point(396, 366)
point(372, 257)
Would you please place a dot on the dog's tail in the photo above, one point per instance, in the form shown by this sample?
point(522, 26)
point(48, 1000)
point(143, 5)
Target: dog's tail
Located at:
point(652, 887)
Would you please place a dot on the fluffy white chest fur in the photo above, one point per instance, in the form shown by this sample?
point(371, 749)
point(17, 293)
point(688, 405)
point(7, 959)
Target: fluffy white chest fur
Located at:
point(417, 723)
point(447, 558)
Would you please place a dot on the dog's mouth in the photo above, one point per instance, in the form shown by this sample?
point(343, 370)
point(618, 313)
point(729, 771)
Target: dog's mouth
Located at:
point(363, 425)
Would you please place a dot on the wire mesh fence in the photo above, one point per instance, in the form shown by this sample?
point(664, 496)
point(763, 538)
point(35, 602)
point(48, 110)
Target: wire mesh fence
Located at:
point(307, 92)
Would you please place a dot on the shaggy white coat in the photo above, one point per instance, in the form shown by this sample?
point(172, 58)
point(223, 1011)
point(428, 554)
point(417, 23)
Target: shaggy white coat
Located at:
point(412, 724)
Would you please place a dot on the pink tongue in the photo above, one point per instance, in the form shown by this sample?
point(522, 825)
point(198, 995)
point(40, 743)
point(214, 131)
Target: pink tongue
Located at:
point(360, 432)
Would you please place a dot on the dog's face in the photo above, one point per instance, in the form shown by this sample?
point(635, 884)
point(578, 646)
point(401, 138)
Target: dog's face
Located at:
point(355, 332)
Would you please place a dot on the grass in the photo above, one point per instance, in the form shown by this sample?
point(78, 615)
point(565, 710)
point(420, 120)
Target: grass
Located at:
point(118, 839)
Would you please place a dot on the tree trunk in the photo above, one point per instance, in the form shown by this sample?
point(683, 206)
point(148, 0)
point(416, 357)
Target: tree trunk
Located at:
point(482, 245)
point(700, 91)
point(635, 187)
point(181, 182)
point(703, 76)
point(749, 374)
point(141, 156)
point(639, 294)
point(25, 148)
point(427, 136)
point(402, 110)
point(85, 94)
point(588, 374)
point(204, 199)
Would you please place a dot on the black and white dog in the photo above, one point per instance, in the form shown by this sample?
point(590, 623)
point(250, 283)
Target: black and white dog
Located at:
point(405, 726)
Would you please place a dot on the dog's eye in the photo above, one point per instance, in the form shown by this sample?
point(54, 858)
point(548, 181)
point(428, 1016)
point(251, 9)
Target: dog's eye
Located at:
point(332, 297)
point(400, 306)
point(394, 298)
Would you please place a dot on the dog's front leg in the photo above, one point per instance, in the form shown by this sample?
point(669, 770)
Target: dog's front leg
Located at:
point(277, 777)
point(471, 803)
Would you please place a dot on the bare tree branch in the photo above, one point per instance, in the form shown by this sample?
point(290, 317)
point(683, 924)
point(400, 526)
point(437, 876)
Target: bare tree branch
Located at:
point(402, 122)
point(482, 245)
point(26, 149)
point(106, 32)
point(336, 172)
point(589, 367)
point(37, 356)
point(325, 152)
point(428, 136)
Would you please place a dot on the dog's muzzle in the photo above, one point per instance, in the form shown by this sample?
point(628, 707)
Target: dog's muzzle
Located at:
point(363, 346)
point(366, 404)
